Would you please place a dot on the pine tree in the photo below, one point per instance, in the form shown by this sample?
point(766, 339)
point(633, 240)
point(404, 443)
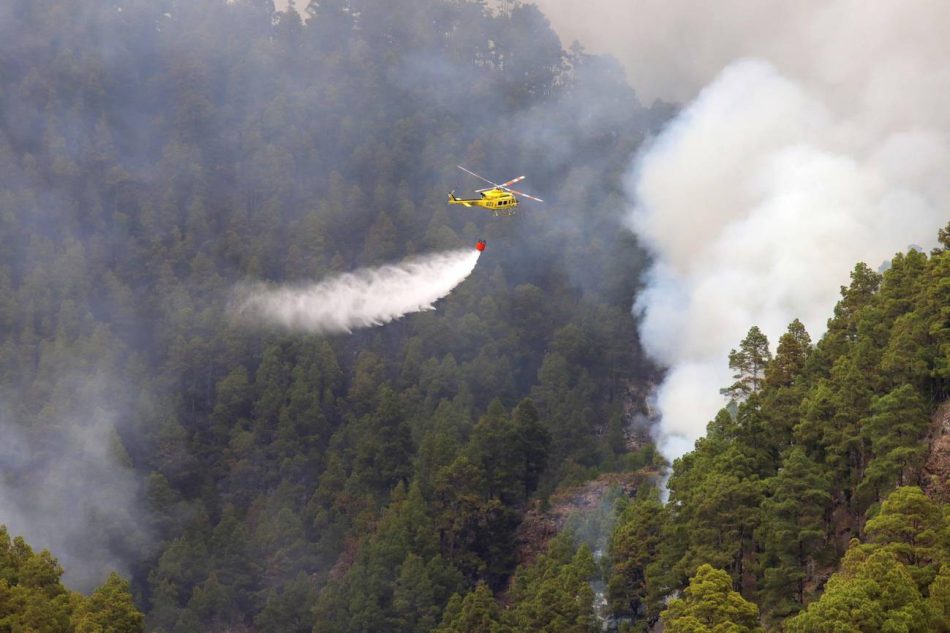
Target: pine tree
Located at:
point(634, 544)
point(793, 529)
point(384, 444)
point(749, 363)
point(109, 609)
point(898, 421)
point(907, 357)
point(870, 593)
point(943, 236)
point(939, 598)
point(554, 592)
point(493, 446)
point(288, 609)
point(31, 595)
point(32, 598)
point(911, 527)
point(414, 597)
point(476, 613)
point(381, 243)
point(791, 357)
point(710, 605)
point(533, 442)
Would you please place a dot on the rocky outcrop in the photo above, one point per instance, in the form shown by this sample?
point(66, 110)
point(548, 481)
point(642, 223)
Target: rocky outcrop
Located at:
point(936, 473)
point(541, 524)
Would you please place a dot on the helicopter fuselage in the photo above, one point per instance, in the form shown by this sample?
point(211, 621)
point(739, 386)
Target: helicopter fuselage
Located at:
point(498, 201)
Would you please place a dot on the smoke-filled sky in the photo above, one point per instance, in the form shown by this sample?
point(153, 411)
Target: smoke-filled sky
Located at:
point(814, 135)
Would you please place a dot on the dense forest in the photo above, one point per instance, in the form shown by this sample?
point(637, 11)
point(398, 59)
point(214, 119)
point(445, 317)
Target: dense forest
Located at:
point(157, 152)
point(815, 494)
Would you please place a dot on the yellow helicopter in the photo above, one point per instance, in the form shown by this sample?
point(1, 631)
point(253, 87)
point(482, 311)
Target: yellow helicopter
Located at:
point(499, 198)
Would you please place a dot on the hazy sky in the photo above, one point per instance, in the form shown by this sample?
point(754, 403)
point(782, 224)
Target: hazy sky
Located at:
point(671, 48)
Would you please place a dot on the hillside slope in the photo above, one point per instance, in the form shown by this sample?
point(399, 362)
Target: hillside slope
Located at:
point(803, 463)
point(156, 153)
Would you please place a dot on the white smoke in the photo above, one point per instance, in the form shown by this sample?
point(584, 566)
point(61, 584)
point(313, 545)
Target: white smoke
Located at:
point(817, 135)
point(367, 297)
point(66, 484)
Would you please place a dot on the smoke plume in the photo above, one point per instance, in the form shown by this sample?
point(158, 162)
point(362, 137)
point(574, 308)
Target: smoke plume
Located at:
point(67, 484)
point(367, 297)
point(815, 136)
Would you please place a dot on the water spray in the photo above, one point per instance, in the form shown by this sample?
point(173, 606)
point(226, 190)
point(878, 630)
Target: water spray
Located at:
point(364, 298)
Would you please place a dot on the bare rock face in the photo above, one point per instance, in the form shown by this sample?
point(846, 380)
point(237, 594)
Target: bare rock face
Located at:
point(540, 525)
point(936, 474)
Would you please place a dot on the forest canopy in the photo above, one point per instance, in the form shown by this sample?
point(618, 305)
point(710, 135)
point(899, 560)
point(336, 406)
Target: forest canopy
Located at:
point(154, 153)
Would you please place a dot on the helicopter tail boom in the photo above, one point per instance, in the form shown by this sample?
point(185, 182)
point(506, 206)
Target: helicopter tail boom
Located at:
point(454, 200)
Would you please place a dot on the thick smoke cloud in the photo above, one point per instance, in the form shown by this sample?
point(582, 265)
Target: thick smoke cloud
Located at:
point(816, 137)
point(367, 297)
point(672, 49)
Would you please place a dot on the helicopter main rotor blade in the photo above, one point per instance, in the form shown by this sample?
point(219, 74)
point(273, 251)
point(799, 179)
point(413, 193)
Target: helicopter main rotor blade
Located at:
point(503, 185)
point(512, 181)
point(522, 194)
point(477, 176)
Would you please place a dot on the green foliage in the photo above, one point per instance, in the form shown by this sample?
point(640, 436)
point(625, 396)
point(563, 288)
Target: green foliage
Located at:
point(897, 422)
point(32, 598)
point(554, 593)
point(31, 595)
point(793, 531)
point(476, 613)
point(714, 508)
point(533, 441)
point(791, 357)
point(109, 609)
point(166, 151)
point(634, 544)
point(913, 528)
point(870, 593)
point(939, 600)
point(749, 363)
point(288, 609)
point(806, 452)
point(710, 605)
